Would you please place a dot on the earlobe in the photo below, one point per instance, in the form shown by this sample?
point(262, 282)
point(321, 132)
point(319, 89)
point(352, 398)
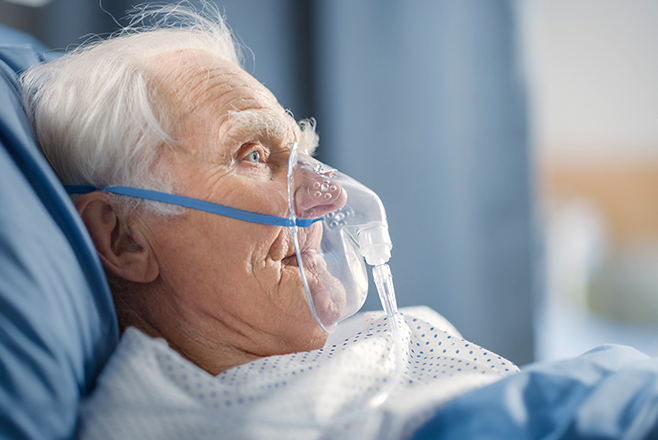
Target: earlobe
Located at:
point(122, 249)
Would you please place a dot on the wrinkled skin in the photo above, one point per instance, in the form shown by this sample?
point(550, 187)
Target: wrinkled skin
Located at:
point(221, 291)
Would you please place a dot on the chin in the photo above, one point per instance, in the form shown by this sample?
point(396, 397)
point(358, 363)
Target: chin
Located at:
point(318, 340)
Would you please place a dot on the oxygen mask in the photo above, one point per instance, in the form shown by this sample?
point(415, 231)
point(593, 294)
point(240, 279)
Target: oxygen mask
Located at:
point(353, 228)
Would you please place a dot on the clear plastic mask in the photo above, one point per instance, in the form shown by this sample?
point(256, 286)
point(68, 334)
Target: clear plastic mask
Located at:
point(352, 230)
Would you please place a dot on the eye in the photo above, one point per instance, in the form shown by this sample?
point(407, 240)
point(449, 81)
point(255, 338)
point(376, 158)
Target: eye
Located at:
point(254, 153)
point(254, 156)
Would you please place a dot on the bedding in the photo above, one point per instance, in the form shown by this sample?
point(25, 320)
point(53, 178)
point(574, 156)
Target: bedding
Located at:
point(610, 392)
point(57, 320)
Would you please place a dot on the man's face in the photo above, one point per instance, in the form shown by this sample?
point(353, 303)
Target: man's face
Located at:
point(234, 143)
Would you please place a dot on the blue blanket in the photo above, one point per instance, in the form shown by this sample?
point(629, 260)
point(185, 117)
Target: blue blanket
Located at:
point(608, 393)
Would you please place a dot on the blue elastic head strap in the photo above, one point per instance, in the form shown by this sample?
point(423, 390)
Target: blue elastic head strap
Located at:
point(200, 205)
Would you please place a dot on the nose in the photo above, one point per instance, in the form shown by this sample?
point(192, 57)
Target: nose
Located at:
point(318, 193)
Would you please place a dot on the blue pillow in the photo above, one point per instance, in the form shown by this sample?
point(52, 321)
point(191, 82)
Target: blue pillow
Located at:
point(13, 36)
point(57, 320)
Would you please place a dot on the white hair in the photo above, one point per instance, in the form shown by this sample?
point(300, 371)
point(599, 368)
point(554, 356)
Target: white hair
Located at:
point(95, 113)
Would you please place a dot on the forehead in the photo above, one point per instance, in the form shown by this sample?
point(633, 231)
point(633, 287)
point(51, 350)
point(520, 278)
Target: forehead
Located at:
point(214, 96)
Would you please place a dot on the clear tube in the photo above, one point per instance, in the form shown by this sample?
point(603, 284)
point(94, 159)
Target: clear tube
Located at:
point(384, 281)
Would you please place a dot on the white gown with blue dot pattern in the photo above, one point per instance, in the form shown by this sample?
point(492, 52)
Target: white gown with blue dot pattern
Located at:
point(148, 391)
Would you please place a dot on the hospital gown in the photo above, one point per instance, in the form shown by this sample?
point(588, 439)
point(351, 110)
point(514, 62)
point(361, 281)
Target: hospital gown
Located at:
point(149, 391)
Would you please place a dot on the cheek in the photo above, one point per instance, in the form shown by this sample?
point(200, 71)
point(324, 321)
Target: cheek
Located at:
point(233, 258)
point(221, 268)
point(258, 195)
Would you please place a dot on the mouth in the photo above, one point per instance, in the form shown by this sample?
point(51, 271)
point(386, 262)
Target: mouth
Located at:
point(327, 294)
point(309, 246)
point(291, 260)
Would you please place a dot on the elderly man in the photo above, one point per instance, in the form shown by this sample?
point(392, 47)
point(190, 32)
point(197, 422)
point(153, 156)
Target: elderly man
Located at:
point(175, 111)
point(170, 110)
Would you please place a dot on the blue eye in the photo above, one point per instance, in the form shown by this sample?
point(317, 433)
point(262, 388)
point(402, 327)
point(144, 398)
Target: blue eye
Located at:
point(254, 156)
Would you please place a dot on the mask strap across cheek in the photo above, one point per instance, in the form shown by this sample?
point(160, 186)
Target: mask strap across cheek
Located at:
point(197, 204)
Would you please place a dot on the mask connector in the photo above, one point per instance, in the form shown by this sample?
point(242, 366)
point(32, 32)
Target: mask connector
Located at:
point(375, 243)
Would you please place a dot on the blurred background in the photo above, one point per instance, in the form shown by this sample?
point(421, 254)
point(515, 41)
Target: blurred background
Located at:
point(593, 93)
point(513, 143)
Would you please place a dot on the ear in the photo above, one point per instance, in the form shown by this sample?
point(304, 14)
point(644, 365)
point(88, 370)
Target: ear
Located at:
point(122, 249)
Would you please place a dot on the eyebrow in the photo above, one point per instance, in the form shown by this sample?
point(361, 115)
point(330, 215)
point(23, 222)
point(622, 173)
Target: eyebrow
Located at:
point(261, 123)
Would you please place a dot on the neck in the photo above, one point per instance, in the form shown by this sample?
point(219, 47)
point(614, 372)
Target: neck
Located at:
point(199, 339)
